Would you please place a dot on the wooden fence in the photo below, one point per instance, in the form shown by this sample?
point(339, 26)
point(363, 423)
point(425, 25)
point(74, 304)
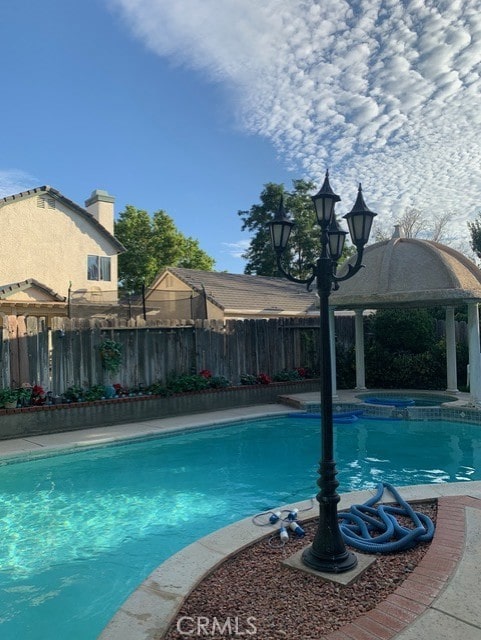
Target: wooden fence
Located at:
point(68, 353)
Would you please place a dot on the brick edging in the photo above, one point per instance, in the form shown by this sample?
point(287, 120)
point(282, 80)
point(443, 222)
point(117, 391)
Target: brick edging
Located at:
point(418, 591)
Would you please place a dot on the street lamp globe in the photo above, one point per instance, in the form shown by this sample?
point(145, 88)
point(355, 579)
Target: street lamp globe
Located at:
point(324, 202)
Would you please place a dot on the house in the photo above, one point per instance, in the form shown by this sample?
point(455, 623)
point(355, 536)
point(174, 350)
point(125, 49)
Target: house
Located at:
point(30, 297)
point(55, 252)
point(179, 293)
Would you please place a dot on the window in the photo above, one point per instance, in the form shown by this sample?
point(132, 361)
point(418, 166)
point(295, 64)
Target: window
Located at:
point(104, 268)
point(98, 268)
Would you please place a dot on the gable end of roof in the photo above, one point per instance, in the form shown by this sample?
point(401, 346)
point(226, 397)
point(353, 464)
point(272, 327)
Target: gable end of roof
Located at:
point(54, 193)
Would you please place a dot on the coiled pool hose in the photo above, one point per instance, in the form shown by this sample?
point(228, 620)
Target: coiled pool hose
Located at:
point(376, 530)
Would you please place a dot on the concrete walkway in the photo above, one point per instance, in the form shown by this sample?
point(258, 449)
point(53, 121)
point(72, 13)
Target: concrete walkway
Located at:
point(438, 601)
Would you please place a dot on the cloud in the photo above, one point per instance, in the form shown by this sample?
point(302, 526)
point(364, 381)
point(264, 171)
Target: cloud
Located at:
point(380, 91)
point(236, 249)
point(14, 181)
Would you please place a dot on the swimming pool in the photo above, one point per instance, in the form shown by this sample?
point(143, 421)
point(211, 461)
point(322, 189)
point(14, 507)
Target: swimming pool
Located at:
point(81, 531)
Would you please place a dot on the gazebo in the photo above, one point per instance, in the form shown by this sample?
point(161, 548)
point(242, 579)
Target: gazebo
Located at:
point(408, 272)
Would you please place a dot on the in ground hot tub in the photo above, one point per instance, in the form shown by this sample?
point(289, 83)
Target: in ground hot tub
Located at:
point(408, 399)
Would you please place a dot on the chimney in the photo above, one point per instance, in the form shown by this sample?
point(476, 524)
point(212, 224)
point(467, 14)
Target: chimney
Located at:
point(398, 232)
point(101, 206)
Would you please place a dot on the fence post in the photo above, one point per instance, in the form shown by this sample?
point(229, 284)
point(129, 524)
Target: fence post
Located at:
point(5, 354)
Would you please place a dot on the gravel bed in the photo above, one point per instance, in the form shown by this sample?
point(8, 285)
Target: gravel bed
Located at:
point(252, 594)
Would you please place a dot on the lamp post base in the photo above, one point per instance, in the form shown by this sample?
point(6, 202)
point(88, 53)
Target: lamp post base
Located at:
point(329, 564)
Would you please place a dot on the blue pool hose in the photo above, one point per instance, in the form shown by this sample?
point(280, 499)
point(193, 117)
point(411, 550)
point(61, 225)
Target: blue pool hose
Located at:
point(376, 530)
point(365, 527)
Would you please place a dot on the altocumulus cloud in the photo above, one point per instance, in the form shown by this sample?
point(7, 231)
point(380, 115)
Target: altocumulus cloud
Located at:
point(382, 91)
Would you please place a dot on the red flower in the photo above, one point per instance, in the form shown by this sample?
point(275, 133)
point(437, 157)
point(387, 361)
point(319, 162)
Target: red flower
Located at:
point(38, 395)
point(263, 378)
point(205, 373)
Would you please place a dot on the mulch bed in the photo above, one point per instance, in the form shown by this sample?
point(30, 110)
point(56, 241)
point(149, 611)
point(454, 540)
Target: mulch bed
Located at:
point(252, 594)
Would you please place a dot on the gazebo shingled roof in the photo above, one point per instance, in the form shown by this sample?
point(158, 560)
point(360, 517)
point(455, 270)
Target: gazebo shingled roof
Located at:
point(409, 272)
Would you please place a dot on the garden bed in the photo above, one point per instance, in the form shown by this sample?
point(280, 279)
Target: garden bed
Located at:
point(21, 422)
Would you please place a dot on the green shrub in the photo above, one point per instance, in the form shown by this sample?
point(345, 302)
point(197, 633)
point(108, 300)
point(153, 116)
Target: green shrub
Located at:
point(187, 382)
point(287, 375)
point(403, 330)
point(97, 392)
point(111, 355)
point(159, 389)
point(74, 393)
point(218, 382)
point(8, 395)
point(345, 366)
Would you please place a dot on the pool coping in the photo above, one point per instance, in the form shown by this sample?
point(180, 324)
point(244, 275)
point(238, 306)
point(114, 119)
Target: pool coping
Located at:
point(153, 606)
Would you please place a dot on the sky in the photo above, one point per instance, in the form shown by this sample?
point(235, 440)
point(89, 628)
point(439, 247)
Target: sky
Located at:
point(191, 106)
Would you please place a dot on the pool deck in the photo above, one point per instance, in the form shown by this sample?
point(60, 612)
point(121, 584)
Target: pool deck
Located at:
point(438, 601)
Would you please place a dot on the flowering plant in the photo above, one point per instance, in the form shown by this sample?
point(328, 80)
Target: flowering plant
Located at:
point(205, 373)
point(38, 395)
point(263, 378)
point(120, 390)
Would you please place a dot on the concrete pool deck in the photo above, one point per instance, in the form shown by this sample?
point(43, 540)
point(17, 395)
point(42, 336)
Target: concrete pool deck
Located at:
point(438, 601)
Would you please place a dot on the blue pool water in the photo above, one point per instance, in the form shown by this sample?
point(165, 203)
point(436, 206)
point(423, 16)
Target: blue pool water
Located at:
point(80, 531)
point(414, 399)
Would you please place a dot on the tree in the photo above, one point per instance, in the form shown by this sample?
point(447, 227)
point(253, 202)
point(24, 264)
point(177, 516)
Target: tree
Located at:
point(304, 241)
point(153, 243)
point(415, 224)
point(193, 257)
point(260, 261)
point(137, 264)
point(475, 231)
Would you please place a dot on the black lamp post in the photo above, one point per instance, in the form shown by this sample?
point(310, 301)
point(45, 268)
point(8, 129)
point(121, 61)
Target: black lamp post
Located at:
point(327, 552)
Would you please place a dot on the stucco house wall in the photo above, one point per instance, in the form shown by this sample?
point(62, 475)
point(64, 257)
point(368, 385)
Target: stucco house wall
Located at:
point(48, 237)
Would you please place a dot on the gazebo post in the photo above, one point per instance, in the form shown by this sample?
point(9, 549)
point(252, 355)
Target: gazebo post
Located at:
point(359, 349)
point(452, 375)
point(474, 353)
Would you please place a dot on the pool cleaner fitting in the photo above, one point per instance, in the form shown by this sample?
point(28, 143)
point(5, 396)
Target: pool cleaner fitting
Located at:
point(274, 517)
point(292, 515)
point(283, 534)
point(298, 530)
